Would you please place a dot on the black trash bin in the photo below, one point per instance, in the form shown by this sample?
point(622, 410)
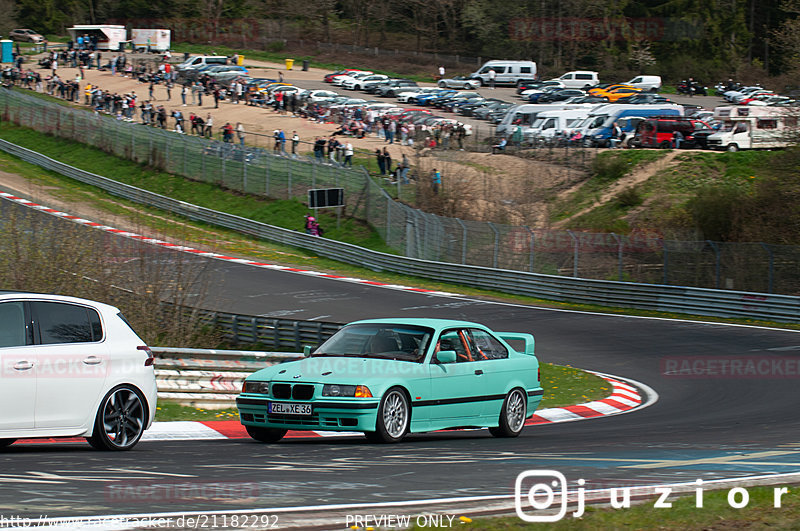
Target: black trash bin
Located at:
point(185, 56)
point(122, 46)
point(305, 65)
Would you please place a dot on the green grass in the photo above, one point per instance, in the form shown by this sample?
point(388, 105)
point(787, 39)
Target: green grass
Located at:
point(716, 513)
point(282, 213)
point(699, 170)
point(169, 411)
point(563, 386)
point(609, 167)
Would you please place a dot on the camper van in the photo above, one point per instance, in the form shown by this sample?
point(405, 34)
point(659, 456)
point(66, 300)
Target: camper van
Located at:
point(596, 129)
point(108, 37)
point(151, 40)
point(525, 115)
point(550, 124)
point(748, 127)
point(506, 72)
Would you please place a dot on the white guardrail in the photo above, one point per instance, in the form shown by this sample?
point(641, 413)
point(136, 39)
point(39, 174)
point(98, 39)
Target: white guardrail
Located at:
point(654, 297)
point(208, 378)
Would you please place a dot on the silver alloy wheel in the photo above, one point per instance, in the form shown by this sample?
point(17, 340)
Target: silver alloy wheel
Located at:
point(123, 418)
point(395, 414)
point(516, 408)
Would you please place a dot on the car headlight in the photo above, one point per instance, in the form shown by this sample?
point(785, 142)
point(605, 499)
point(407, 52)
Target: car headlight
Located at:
point(259, 388)
point(357, 391)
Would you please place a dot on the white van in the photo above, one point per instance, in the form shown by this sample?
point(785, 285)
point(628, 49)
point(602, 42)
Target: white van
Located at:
point(200, 61)
point(525, 115)
point(579, 79)
point(506, 72)
point(549, 124)
point(651, 83)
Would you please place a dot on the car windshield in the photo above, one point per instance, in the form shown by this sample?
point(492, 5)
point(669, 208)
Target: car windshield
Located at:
point(378, 340)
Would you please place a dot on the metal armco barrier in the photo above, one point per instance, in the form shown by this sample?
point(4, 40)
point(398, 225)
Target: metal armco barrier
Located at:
point(208, 378)
point(663, 298)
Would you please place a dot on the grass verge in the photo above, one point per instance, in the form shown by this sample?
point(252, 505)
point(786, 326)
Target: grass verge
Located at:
point(563, 386)
point(716, 513)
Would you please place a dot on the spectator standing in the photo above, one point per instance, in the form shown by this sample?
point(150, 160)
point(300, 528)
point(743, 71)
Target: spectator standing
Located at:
point(295, 141)
point(436, 178)
point(677, 138)
point(209, 125)
point(319, 148)
point(168, 86)
point(381, 161)
point(240, 132)
point(441, 71)
point(492, 78)
point(348, 154)
point(387, 160)
point(403, 167)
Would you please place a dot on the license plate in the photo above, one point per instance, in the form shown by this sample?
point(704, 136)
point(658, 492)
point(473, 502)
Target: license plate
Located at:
point(288, 408)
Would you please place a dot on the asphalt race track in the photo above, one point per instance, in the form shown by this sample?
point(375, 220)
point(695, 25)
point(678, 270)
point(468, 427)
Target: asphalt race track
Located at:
point(706, 427)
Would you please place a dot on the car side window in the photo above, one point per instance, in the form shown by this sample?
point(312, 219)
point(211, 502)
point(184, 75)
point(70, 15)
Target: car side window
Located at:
point(457, 341)
point(487, 346)
point(66, 323)
point(12, 325)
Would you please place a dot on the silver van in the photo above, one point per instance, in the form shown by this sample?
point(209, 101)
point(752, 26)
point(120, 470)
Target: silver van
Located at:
point(200, 61)
point(506, 72)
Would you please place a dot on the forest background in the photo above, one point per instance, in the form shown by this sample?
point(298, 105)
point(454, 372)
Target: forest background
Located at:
point(712, 40)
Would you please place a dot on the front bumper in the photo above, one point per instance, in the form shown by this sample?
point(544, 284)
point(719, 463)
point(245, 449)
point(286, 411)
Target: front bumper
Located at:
point(327, 414)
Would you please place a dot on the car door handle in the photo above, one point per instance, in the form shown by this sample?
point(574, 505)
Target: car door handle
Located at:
point(478, 372)
point(92, 360)
point(23, 365)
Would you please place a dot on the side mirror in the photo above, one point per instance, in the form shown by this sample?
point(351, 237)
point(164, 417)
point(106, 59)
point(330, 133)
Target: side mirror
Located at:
point(306, 350)
point(446, 356)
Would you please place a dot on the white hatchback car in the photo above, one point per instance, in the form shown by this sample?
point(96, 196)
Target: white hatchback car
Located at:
point(72, 367)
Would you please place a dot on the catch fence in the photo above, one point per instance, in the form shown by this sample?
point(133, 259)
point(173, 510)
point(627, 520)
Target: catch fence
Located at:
point(639, 257)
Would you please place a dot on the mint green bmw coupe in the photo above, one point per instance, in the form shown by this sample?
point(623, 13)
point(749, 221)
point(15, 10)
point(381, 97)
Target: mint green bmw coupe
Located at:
point(391, 377)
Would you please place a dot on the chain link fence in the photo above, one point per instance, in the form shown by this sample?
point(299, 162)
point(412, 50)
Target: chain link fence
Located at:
point(641, 258)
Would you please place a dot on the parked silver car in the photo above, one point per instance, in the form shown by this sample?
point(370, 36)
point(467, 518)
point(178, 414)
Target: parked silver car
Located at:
point(459, 82)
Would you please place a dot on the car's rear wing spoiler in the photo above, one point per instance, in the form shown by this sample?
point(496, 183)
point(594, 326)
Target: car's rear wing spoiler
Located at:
point(516, 336)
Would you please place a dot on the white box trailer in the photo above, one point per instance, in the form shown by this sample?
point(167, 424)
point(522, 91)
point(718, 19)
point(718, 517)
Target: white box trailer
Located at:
point(755, 127)
point(108, 37)
point(154, 40)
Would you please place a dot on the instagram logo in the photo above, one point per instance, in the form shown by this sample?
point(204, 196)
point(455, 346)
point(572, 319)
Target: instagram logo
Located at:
point(539, 490)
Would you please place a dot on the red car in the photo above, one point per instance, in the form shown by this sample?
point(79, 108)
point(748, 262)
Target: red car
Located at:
point(346, 72)
point(658, 132)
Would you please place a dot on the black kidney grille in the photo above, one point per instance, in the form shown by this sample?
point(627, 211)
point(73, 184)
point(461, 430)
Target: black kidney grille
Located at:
point(302, 392)
point(280, 390)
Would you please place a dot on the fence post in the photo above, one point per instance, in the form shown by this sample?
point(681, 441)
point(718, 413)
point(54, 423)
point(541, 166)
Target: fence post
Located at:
point(388, 218)
point(496, 243)
point(290, 185)
point(463, 241)
point(244, 173)
point(574, 253)
point(297, 343)
point(185, 154)
point(533, 243)
point(235, 328)
point(276, 334)
point(771, 273)
point(666, 263)
point(716, 262)
point(223, 170)
point(619, 254)
point(254, 326)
